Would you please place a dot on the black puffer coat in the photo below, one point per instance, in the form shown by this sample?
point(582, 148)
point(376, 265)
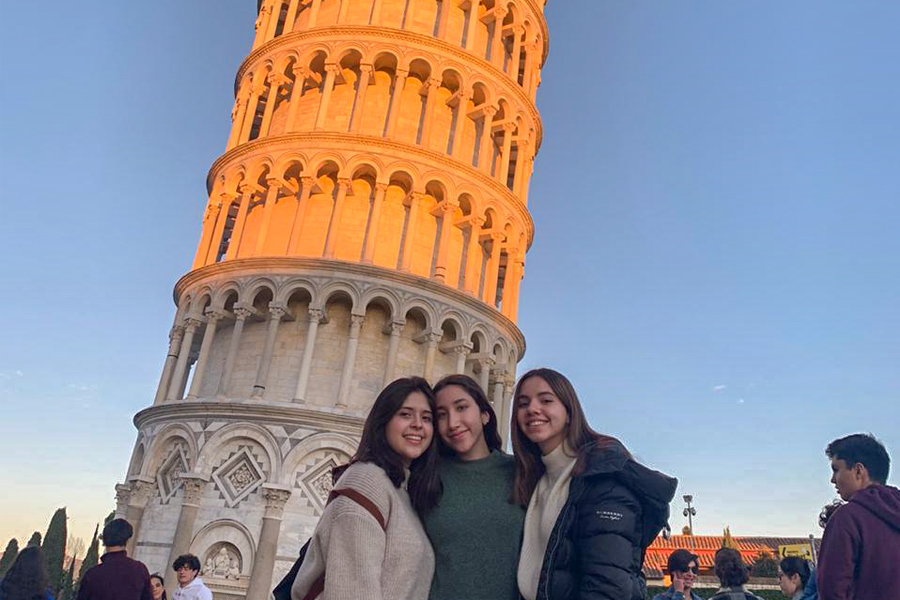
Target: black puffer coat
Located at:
point(615, 509)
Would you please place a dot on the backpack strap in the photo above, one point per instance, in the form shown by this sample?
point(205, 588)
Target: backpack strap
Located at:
point(318, 585)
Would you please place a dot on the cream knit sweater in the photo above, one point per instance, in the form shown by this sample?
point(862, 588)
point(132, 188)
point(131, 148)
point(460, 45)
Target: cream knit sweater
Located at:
point(361, 561)
point(546, 502)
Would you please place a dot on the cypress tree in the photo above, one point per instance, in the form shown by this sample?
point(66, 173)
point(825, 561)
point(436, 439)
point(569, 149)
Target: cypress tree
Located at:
point(92, 557)
point(9, 556)
point(35, 539)
point(66, 590)
point(54, 547)
point(109, 518)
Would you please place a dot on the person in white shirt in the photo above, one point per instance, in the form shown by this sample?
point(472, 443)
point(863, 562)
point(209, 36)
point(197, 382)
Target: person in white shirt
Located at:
point(190, 587)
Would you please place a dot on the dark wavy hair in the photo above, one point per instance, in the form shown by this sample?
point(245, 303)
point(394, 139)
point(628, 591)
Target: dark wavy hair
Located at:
point(794, 565)
point(827, 511)
point(580, 436)
point(424, 482)
point(473, 389)
point(864, 449)
point(26, 578)
point(730, 568)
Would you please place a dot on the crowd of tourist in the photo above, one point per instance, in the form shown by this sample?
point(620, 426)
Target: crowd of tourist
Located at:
point(431, 508)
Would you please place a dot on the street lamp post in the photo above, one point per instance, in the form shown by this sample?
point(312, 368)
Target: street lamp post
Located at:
point(690, 512)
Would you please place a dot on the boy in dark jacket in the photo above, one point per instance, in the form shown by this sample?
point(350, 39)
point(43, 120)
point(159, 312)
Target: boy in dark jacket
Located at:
point(860, 554)
point(117, 577)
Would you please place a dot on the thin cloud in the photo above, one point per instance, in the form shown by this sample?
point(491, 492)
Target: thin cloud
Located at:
point(19, 373)
point(740, 400)
point(82, 388)
point(719, 388)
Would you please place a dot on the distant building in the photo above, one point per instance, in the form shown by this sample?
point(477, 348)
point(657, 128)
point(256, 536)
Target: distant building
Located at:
point(705, 546)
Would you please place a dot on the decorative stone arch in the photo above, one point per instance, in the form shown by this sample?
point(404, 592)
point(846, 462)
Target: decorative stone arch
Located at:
point(184, 307)
point(382, 56)
point(317, 441)
point(209, 454)
point(253, 287)
point(294, 285)
point(288, 162)
point(479, 338)
point(456, 323)
point(159, 444)
point(427, 310)
point(137, 457)
point(365, 161)
point(440, 177)
point(227, 531)
point(385, 296)
point(437, 187)
point(203, 300)
point(259, 169)
point(457, 71)
point(426, 59)
point(223, 291)
point(500, 349)
point(490, 214)
point(484, 90)
point(323, 160)
point(334, 288)
point(405, 172)
point(342, 51)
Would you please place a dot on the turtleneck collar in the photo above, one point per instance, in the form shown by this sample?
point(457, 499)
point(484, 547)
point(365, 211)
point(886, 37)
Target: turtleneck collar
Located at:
point(559, 459)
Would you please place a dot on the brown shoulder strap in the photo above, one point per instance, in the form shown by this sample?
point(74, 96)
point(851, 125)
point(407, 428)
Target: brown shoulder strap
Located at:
point(360, 499)
point(318, 585)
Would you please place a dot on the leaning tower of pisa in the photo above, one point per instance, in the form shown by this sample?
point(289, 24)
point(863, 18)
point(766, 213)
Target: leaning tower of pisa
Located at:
point(367, 220)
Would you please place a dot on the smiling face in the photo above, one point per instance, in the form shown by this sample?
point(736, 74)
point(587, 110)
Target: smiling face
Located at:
point(541, 415)
point(461, 423)
point(848, 480)
point(688, 576)
point(410, 430)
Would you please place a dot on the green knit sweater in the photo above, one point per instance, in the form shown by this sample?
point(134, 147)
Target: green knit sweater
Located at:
point(475, 532)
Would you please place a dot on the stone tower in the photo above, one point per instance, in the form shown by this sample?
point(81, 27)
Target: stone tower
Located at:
point(368, 220)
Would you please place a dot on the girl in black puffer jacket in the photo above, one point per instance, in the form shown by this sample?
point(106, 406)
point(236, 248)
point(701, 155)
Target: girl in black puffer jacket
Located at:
point(591, 509)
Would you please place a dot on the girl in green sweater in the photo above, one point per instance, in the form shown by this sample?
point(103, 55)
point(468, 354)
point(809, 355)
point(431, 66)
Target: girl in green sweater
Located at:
point(474, 530)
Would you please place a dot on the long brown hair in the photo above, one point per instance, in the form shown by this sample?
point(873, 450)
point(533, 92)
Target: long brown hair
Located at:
point(473, 389)
point(579, 435)
point(424, 482)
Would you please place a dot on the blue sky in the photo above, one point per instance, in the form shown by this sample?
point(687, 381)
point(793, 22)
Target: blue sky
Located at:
point(715, 262)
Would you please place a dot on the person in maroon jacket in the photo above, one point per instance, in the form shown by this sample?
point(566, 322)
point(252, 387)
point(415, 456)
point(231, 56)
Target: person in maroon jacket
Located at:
point(860, 554)
point(117, 577)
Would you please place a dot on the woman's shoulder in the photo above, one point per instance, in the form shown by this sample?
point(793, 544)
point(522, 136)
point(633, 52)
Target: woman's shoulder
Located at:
point(370, 480)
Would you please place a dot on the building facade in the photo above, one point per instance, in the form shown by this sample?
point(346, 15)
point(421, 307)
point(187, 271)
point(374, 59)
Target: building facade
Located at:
point(368, 220)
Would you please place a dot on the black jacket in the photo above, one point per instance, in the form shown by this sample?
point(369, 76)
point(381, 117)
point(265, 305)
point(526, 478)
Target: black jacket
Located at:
point(615, 509)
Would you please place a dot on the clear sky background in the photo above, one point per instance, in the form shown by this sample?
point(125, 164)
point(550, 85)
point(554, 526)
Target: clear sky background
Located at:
point(715, 264)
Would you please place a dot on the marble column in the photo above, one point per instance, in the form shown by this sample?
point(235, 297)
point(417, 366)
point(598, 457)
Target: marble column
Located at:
point(331, 73)
point(309, 184)
point(334, 225)
point(276, 312)
point(375, 17)
point(184, 532)
point(215, 244)
point(259, 86)
point(274, 16)
point(474, 256)
point(462, 110)
point(489, 293)
point(212, 318)
point(394, 329)
point(462, 353)
point(356, 322)
point(238, 114)
point(210, 219)
point(484, 376)
point(506, 154)
point(497, 46)
point(316, 316)
point(262, 25)
point(275, 82)
point(247, 190)
point(141, 489)
point(175, 337)
point(191, 325)
point(300, 75)
point(396, 99)
point(276, 497)
point(276, 184)
point(487, 139)
point(447, 210)
point(431, 343)
point(290, 17)
point(240, 317)
point(473, 23)
point(365, 75)
point(314, 13)
point(518, 32)
point(374, 220)
point(434, 85)
point(412, 225)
